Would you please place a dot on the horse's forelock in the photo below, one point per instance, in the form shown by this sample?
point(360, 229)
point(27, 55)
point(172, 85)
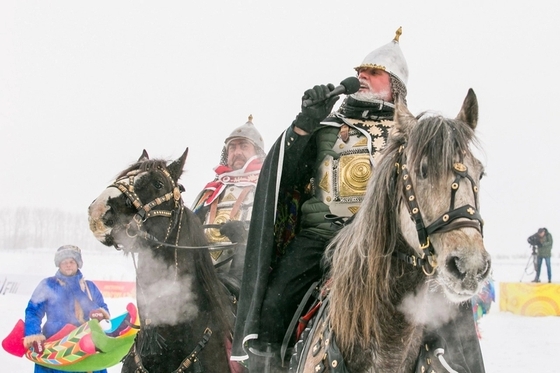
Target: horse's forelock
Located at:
point(441, 141)
point(143, 166)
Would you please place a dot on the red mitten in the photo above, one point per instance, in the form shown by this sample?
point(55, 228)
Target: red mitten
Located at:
point(37, 341)
point(38, 347)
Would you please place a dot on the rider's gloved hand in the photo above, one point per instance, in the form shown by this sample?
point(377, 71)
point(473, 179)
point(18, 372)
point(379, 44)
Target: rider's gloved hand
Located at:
point(310, 116)
point(235, 231)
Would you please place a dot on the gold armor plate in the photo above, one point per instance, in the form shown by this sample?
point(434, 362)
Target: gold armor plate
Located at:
point(214, 235)
point(354, 173)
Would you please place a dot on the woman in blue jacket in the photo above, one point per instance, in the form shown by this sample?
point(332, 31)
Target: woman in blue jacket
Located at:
point(65, 298)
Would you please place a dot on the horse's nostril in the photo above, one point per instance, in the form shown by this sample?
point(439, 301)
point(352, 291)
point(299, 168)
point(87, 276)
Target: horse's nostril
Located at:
point(453, 265)
point(486, 271)
point(463, 268)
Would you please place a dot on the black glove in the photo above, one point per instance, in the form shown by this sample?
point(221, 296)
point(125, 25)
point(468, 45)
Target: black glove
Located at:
point(235, 231)
point(310, 116)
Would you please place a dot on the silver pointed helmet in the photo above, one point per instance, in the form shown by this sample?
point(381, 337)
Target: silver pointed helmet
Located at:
point(249, 132)
point(389, 58)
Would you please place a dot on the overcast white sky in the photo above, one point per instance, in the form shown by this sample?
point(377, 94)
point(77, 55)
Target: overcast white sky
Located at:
point(85, 86)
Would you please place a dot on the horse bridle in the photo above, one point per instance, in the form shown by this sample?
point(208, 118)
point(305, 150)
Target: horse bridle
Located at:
point(445, 223)
point(144, 212)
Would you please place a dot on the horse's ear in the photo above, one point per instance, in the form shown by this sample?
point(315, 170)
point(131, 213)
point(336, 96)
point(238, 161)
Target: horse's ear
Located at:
point(176, 167)
point(469, 110)
point(404, 120)
point(144, 156)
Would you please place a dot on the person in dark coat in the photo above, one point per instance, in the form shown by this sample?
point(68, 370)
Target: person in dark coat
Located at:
point(312, 181)
point(65, 298)
point(543, 243)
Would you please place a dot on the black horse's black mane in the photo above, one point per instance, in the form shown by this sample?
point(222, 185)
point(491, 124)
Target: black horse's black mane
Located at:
point(144, 165)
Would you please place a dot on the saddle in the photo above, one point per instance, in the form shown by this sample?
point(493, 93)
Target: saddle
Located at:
point(321, 352)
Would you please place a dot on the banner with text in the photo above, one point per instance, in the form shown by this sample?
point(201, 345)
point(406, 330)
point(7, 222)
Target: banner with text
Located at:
point(26, 284)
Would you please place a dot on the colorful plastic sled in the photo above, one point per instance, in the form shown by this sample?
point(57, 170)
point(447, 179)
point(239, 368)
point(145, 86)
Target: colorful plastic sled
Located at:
point(84, 348)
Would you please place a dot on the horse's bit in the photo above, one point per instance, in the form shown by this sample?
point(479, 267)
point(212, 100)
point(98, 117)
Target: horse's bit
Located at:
point(445, 223)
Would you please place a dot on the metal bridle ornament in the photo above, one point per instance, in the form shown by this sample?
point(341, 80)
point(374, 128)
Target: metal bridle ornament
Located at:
point(445, 223)
point(146, 210)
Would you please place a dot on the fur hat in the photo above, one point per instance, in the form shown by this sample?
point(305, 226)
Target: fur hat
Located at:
point(68, 251)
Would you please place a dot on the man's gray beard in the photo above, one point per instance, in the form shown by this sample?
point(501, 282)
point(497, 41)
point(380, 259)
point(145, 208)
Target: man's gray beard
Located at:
point(371, 96)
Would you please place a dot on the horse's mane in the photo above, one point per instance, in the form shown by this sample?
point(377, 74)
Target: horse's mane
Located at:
point(205, 271)
point(359, 257)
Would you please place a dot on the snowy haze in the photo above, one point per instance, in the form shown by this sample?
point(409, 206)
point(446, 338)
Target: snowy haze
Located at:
point(85, 86)
point(510, 343)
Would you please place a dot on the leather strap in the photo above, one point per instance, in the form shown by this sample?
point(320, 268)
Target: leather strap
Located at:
point(213, 210)
point(344, 129)
point(295, 319)
point(239, 202)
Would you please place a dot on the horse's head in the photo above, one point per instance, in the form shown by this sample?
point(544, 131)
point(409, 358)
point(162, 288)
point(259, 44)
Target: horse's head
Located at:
point(143, 192)
point(439, 207)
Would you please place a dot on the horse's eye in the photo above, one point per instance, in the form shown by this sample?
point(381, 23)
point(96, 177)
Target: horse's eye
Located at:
point(128, 203)
point(423, 172)
point(109, 222)
point(158, 184)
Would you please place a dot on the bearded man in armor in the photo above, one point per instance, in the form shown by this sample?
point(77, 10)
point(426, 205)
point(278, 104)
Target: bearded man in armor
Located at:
point(313, 180)
point(226, 203)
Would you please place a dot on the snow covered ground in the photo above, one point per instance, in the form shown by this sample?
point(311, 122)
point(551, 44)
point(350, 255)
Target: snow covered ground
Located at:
point(510, 343)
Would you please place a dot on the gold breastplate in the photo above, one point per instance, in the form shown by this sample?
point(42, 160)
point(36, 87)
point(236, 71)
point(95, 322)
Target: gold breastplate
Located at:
point(341, 182)
point(235, 203)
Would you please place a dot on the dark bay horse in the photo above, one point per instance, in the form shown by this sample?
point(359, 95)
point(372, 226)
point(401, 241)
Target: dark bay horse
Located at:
point(185, 313)
point(413, 253)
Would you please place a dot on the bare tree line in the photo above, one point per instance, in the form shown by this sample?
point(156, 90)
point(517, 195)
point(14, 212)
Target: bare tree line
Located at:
point(29, 227)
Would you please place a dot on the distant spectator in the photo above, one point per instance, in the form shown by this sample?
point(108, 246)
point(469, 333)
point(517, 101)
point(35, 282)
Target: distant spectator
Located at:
point(542, 241)
point(65, 298)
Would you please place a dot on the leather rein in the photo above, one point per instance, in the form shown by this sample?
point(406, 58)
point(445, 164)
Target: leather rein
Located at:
point(427, 260)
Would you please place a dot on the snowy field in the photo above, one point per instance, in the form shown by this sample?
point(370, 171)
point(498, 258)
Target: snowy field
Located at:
point(510, 343)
